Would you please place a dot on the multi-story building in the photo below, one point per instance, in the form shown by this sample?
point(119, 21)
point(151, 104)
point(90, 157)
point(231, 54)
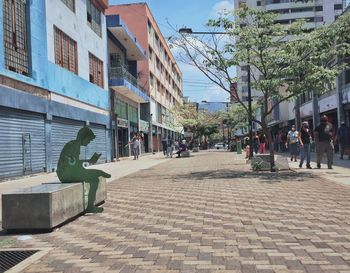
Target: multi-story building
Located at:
point(53, 81)
point(344, 91)
point(159, 74)
point(316, 13)
point(127, 96)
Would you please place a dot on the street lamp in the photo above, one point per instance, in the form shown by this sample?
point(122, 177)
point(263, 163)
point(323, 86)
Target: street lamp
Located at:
point(250, 118)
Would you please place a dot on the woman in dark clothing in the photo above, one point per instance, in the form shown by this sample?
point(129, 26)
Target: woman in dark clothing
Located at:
point(256, 143)
point(305, 145)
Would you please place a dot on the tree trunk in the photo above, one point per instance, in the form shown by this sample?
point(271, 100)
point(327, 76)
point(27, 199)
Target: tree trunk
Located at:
point(271, 145)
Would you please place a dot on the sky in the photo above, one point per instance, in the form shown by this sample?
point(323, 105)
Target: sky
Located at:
point(174, 14)
point(193, 14)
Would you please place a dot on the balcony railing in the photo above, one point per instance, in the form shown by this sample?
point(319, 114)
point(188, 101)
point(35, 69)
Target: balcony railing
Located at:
point(122, 72)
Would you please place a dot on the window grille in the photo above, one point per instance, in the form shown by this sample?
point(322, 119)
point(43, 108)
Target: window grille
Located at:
point(96, 70)
point(70, 4)
point(15, 36)
point(65, 51)
point(94, 18)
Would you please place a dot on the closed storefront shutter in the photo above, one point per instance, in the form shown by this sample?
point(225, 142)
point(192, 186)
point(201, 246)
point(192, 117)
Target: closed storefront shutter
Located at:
point(99, 144)
point(63, 130)
point(22, 142)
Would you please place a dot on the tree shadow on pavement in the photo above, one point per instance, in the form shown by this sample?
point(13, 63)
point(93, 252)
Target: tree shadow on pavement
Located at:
point(265, 177)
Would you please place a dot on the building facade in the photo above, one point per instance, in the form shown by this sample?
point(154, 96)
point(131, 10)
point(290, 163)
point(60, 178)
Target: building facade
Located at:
point(308, 107)
point(53, 81)
point(159, 74)
point(127, 95)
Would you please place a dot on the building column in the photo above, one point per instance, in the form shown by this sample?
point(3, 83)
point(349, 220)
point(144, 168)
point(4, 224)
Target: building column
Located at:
point(297, 113)
point(48, 142)
point(315, 110)
point(340, 107)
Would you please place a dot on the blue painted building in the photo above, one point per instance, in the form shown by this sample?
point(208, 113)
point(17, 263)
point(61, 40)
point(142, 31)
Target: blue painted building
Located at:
point(53, 81)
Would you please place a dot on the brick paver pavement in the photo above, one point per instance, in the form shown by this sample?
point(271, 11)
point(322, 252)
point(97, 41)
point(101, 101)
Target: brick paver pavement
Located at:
point(207, 213)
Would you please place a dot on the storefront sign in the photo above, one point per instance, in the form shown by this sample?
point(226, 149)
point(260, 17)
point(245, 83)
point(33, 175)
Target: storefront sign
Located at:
point(328, 103)
point(144, 126)
point(346, 95)
point(306, 110)
point(122, 123)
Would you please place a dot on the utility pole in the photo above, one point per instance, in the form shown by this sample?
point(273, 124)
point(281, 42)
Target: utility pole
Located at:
point(250, 119)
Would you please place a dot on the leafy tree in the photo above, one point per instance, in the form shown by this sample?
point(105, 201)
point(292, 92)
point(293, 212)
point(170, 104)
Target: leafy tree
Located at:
point(285, 61)
point(200, 123)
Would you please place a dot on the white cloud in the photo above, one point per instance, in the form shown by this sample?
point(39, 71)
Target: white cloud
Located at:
point(222, 6)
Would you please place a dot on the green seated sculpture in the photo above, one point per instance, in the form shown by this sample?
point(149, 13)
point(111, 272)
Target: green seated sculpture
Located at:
point(70, 168)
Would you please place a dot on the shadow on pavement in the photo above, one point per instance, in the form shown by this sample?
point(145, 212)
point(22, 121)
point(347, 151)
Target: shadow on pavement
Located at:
point(265, 177)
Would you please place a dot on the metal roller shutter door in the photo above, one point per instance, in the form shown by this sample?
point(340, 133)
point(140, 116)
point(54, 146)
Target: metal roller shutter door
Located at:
point(99, 144)
point(62, 130)
point(22, 142)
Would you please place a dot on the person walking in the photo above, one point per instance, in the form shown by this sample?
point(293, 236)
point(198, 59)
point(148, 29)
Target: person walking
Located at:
point(262, 143)
point(324, 141)
point(136, 146)
point(305, 145)
point(280, 141)
point(256, 143)
point(343, 138)
point(164, 145)
point(292, 142)
point(170, 147)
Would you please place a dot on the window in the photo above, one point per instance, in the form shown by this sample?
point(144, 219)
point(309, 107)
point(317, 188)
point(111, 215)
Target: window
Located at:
point(65, 51)
point(93, 17)
point(319, 19)
point(156, 41)
point(121, 109)
point(157, 64)
point(150, 54)
point(96, 70)
point(338, 6)
point(15, 36)
point(306, 9)
point(319, 8)
point(133, 114)
point(151, 82)
point(149, 27)
point(70, 4)
point(258, 3)
point(116, 60)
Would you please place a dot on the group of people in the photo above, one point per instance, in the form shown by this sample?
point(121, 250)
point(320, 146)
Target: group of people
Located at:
point(136, 145)
point(323, 137)
point(324, 140)
point(169, 146)
point(259, 143)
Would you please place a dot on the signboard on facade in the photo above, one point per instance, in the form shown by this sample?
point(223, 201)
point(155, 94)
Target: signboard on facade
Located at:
point(346, 95)
point(306, 110)
point(328, 103)
point(144, 126)
point(122, 123)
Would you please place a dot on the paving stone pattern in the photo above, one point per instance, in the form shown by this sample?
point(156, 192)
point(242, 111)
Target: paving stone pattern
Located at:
point(207, 213)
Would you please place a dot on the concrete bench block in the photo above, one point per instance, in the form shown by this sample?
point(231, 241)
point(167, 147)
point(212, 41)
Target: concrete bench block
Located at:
point(263, 160)
point(41, 207)
point(185, 154)
point(101, 193)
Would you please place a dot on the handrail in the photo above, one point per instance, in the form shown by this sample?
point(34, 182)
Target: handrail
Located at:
point(122, 72)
